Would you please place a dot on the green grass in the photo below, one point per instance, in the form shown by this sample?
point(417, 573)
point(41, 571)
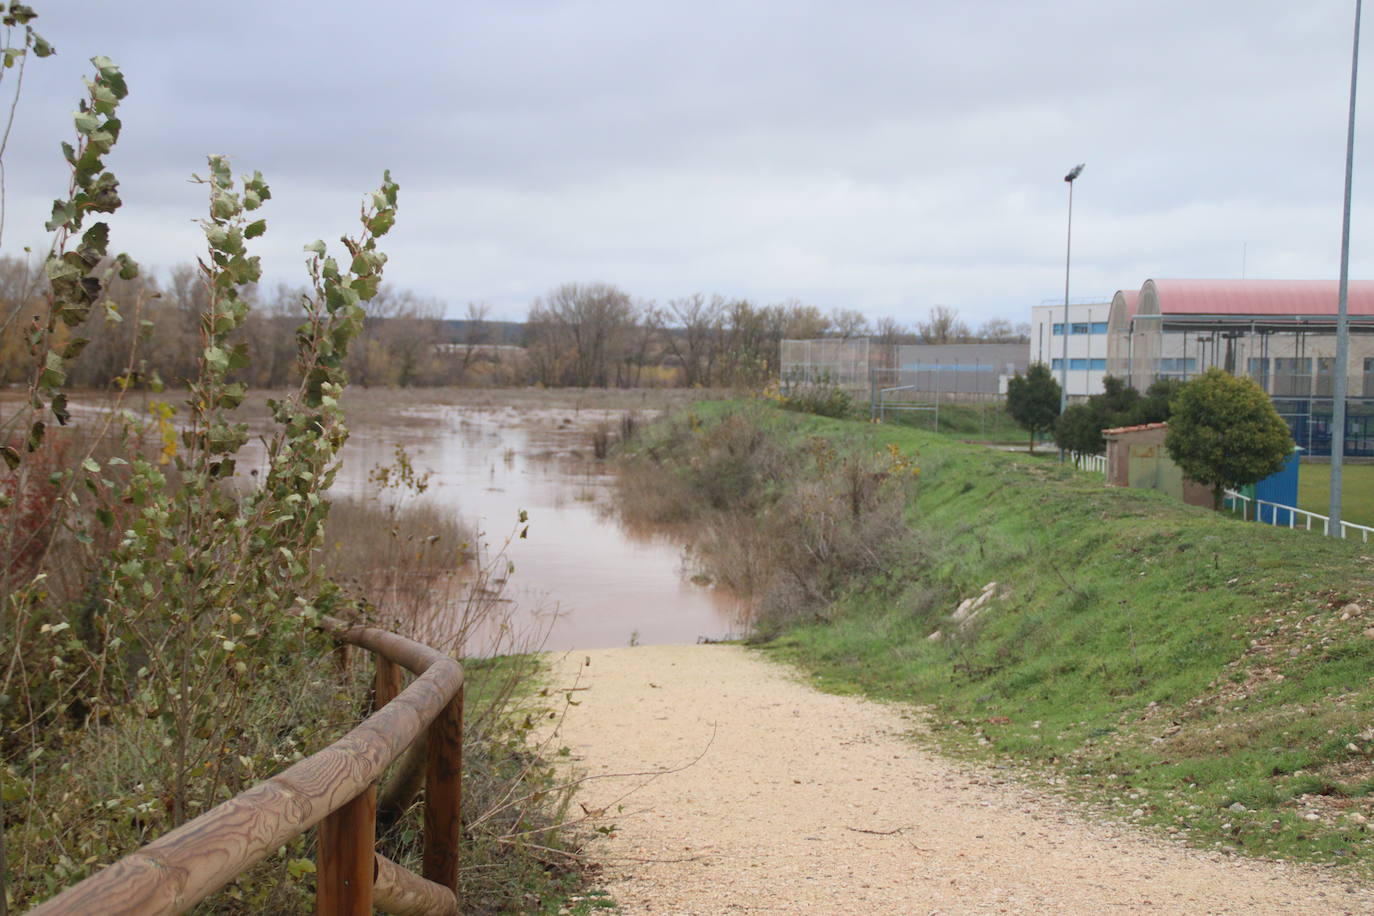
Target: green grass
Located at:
point(1357, 491)
point(973, 422)
point(1164, 661)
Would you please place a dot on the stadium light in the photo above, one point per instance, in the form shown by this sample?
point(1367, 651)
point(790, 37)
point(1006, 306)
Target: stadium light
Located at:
point(1064, 329)
point(1339, 372)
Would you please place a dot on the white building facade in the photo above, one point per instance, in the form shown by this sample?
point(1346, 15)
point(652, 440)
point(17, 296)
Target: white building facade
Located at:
point(1082, 340)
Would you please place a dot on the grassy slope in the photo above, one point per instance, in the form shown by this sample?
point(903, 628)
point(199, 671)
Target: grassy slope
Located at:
point(1164, 659)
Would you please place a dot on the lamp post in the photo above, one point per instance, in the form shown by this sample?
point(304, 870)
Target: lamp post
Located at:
point(1338, 371)
point(1064, 328)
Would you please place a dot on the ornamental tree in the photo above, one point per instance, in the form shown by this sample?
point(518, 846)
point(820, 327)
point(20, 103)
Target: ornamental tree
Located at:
point(1033, 400)
point(1225, 432)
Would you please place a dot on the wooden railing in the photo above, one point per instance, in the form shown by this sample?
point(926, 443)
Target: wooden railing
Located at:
point(336, 789)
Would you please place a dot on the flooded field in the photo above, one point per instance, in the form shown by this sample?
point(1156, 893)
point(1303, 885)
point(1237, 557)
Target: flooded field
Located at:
point(581, 576)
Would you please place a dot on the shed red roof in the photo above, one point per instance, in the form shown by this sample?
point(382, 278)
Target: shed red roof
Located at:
point(1133, 429)
point(1259, 297)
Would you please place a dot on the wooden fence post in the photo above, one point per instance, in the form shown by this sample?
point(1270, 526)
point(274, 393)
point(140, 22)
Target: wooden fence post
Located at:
point(347, 858)
point(444, 795)
point(386, 682)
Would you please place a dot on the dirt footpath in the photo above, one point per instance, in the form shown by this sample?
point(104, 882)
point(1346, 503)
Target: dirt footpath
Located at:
point(803, 802)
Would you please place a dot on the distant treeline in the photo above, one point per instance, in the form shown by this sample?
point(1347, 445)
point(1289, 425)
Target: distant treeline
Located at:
point(579, 335)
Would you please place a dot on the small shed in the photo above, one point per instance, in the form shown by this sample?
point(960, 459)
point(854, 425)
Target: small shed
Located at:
point(1136, 457)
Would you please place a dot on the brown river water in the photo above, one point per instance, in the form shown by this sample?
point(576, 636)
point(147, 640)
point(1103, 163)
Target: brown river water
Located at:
point(582, 579)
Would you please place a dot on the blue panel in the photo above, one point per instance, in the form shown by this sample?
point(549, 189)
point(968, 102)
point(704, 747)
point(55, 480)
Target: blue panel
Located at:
point(1099, 327)
point(1099, 364)
point(1280, 487)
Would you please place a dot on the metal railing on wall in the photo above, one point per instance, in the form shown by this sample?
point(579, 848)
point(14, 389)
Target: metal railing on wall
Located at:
point(335, 789)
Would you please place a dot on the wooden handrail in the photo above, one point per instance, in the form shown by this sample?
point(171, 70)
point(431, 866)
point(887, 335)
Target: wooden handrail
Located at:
point(183, 867)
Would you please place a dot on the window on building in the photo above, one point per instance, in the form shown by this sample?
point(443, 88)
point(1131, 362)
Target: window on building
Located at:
point(1099, 327)
point(1369, 377)
point(1292, 376)
point(1079, 327)
point(1077, 363)
point(1177, 366)
point(1325, 367)
point(1098, 365)
point(1058, 330)
point(1056, 364)
point(1257, 367)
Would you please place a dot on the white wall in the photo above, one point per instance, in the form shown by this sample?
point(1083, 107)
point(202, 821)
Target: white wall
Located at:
point(1087, 349)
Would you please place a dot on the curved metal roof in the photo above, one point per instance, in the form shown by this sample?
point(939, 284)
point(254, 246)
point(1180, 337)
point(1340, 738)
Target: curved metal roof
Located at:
point(1126, 299)
point(1252, 297)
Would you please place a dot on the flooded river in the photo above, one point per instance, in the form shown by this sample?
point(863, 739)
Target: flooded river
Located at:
point(581, 577)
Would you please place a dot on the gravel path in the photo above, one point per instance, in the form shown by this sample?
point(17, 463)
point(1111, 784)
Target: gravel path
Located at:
point(805, 802)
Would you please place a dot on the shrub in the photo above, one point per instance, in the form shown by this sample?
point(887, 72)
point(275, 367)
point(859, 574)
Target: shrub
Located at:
point(822, 400)
point(1033, 400)
point(1225, 432)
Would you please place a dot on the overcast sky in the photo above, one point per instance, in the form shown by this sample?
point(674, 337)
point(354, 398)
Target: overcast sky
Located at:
point(881, 156)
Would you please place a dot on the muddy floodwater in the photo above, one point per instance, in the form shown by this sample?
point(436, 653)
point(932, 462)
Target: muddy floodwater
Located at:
point(581, 578)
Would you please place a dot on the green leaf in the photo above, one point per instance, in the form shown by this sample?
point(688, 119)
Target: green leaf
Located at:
point(41, 47)
point(74, 347)
point(63, 212)
point(11, 456)
point(59, 409)
point(105, 517)
point(316, 247)
point(255, 229)
point(86, 121)
point(381, 223)
point(54, 371)
point(217, 359)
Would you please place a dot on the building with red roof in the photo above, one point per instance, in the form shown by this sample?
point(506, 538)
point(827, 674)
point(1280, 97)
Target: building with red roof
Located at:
point(1281, 333)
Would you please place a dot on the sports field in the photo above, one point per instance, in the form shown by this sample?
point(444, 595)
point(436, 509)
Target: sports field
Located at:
point(1357, 491)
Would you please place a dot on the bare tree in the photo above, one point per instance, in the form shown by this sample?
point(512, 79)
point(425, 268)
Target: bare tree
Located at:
point(577, 334)
point(848, 323)
point(996, 330)
point(888, 333)
point(697, 336)
point(942, 326)
point(475, 336)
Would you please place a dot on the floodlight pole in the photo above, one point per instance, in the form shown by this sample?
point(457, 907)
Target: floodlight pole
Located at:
point(1339, 379)
point(1064, 328)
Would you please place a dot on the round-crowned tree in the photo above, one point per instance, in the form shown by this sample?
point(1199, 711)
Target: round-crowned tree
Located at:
point(1225, 432)
point(1079, 430)
point(1033, 400)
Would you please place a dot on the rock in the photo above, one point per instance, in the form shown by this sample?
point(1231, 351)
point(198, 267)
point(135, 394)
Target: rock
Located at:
point(1357, 817)
point(936, 636)
point(1138, 812)
point(1353, 747)
point(1369, 631)
point(991, 586)
point(1236, 807)
point(1311, 816)
point(1353, 609)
